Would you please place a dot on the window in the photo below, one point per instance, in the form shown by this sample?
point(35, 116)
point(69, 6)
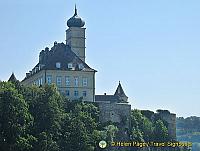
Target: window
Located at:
point(75, 81)
point(49, 79)
point(67, 81)
point(40, 81)
point(69, 65)
point(58, 81)
point(85, 82)
point(84, 93)
point(80, 66)
point(58, 65)
point(76, 93)
point(67, 93)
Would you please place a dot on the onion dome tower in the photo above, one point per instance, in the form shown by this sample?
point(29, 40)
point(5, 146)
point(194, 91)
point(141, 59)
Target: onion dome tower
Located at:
point(75, 35)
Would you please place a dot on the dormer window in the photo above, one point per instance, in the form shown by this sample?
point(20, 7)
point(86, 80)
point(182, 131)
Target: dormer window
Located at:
point(36, 69)
point(58, 65)
point(70, 65)
point(80, 66)
point(33, 71)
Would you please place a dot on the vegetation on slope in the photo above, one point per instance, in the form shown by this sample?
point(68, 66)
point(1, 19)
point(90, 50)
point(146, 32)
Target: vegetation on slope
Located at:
point(40, 119)
point(188, 129)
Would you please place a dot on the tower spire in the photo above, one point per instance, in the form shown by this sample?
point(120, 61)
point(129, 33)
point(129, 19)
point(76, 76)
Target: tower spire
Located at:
point(120, 93)
point(75, 13)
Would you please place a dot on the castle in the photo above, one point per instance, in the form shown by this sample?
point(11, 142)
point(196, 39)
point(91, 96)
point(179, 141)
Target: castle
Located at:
point(65, 65)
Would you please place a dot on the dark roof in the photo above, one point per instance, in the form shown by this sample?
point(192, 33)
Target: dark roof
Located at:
point(12, 78)
point(60, 53)
point(120, 91)
point(110, 98)
point(63, 54)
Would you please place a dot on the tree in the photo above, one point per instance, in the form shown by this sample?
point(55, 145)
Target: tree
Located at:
point(142, 127)
point(15, 120)
point(160, 132)
point(111, 132)
point(46, 106)
point(79, 129)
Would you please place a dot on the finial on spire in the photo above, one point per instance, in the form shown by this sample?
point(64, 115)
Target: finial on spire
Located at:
point(75, 11)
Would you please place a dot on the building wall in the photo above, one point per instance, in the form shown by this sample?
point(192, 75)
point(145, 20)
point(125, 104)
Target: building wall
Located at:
point(63, 88)
point(34, 79)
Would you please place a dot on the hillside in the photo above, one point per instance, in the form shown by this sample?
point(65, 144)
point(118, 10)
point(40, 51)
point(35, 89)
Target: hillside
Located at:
point(188, 129)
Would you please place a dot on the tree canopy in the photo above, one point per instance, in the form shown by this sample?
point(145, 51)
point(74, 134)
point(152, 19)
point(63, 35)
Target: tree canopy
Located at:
point(41, 119)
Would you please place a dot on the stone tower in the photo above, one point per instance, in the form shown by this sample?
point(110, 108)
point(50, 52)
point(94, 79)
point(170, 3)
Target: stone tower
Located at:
point(75, 35)
point(170, 118)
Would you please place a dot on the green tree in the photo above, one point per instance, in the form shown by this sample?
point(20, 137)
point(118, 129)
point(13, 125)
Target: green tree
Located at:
point(75, 135)
point(111, 132)
point(160, 132)
point(142, 127)
point(46, 106)
point(15, 120)
point(79, 130)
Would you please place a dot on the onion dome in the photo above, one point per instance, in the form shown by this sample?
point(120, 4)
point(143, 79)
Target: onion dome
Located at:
point(75, 21)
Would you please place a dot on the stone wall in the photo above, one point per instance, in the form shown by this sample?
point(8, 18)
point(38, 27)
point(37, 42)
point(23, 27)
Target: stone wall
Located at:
point(170, 118)
point(115, 112)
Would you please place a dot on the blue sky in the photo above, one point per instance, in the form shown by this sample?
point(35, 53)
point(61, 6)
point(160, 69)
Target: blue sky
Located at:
point(152, 47)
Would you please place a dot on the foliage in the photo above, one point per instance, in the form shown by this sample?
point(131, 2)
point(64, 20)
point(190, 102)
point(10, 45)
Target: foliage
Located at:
point(145, 130)
point(40, 119)
point(160, 132)
point(15, 119)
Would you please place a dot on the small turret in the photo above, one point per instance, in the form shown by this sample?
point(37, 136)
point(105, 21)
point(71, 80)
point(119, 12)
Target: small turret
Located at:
point(120, 93)
point(12, 78)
